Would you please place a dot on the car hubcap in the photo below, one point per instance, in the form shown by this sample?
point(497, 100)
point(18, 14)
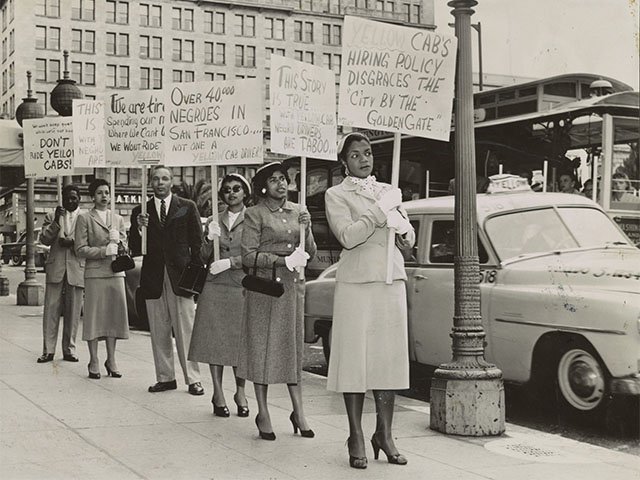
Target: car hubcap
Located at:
point(581, 379)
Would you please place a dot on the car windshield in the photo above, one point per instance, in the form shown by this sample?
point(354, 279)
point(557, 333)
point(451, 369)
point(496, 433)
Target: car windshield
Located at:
point(548, 229)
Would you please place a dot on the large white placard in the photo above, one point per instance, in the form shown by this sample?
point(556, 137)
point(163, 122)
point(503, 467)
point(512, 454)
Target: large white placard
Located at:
point(88, 134)
point(48, 147)
point(396, 79)
point(214, 123)
point(303, 109)
point(134, 126)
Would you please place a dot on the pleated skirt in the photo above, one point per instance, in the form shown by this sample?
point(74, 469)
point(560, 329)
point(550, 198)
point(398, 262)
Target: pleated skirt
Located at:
point(369, 340)
point(216, 330)
point(105, 309)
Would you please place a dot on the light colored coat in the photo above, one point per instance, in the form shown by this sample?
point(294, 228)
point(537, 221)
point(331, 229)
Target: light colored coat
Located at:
point(61, 260)
point(360, 226)
point(230, 247)
point(91, 240)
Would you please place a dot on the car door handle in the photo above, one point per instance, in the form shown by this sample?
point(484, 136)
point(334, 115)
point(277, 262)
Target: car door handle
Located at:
point(420, 277)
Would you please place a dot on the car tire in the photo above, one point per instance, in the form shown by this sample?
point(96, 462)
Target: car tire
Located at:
point(581, 380)
point(326, 345)
point(16, 260)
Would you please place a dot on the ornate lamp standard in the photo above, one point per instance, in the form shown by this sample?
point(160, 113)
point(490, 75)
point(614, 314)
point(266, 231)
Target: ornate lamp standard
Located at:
point(30, 292)
point(467, 394)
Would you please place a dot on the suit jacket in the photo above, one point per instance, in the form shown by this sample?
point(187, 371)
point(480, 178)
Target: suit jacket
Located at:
point(230, 242)
point(61, 260)
point(92, 238)
point(360, 227)
point(171, 247)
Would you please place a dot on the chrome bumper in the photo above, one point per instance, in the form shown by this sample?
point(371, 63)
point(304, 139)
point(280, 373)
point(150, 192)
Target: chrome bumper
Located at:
point(626, 385)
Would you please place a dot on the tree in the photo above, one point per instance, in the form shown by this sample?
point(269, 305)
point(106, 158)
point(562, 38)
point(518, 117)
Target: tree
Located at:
point(200, 193)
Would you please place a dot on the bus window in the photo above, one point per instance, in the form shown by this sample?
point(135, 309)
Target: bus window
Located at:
point(625, 167)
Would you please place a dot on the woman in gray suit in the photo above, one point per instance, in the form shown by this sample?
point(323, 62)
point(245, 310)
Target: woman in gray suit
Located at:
point(216, 330)
point(272, 332)
point(369, 345)
point(100, 236)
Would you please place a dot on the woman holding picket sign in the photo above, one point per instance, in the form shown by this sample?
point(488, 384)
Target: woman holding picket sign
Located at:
point(369, 344)
point(216, 329)
point(272, 334)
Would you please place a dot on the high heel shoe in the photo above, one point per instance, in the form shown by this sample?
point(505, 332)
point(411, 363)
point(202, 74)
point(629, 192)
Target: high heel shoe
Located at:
point(396, 459)
point(265, 435)
point(222, 411)
point(356, 462)
point(111, 373)
point(305, 433)
point(243, 410)
point(94, 376)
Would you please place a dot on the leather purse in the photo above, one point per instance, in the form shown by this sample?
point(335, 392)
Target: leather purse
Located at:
point(193, 276)
point(266, 286)
point(122, 263)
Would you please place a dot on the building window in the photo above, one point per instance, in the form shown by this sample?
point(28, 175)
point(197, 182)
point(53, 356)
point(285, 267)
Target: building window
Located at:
point(12, 74)
point(117, 76)
point(214, 53)
point(362, 4)
point(245, 56)
point(117, 12)
point(274, 28)
point(210, 76)
point(54, 70)
point(83, 74)
point(150, 15)
point(303, 31)
point(48, 8)
point(118, 44)
point(83, 41)
point(47, 38)
point(4, 50)
point(331, 34)
point(150, 47)
point(332, 61)
point(89, 74)
point(156, 78)
point(123, 44)
point(306, 5)
point(214, 22)
point(41, 70)
point(303, 56)
point(245, 26)
point(12, 42)
point(182, 50)
point(180, 76)
point(182, 18)
point(145, 78)
point(42, 100)
point(76, 72)
point(83, 10)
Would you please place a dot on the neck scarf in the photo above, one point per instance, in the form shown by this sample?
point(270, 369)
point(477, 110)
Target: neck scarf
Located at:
point(367, 184)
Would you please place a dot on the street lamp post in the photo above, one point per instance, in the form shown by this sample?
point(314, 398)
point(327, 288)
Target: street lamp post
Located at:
point(467, 394)
point(30, 292)
point(478, 28)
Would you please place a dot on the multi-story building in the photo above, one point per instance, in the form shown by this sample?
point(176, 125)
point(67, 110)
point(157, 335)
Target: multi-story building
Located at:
point(150, 44)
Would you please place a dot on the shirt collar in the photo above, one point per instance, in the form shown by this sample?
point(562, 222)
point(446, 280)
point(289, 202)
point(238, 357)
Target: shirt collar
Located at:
point(167, 201)
point(286, 206)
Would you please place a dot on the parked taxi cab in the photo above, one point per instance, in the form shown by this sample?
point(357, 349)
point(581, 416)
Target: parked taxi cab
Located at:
point(560, 293)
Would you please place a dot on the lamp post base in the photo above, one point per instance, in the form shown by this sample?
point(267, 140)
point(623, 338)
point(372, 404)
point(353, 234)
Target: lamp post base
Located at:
point(30, 293)
point(467, 402)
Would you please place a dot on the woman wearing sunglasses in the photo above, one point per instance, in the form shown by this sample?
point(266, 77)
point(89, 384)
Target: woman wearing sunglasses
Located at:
point(216, 330)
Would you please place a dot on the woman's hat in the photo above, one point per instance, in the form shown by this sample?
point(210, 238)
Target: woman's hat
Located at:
point(355, 135)
point(235, 176)
point(265, 171)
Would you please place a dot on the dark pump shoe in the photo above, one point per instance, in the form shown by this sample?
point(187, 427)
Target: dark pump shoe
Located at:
point(45, 357)
point(70, 357)
point(163, 386)
point(196, 389)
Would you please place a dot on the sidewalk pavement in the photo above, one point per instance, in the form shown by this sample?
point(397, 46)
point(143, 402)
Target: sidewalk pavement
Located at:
point(55, 423)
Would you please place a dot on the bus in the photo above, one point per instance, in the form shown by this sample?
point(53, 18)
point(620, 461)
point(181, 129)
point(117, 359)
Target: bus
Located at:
point(585, 124)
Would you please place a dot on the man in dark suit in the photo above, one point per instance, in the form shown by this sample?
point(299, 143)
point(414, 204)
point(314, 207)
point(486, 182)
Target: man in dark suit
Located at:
point(174, 236)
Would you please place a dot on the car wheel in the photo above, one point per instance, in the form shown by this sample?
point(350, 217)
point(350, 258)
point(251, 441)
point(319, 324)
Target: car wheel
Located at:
point(17, 260)
point(326, 345)
point(6, 260)
point(581, 379)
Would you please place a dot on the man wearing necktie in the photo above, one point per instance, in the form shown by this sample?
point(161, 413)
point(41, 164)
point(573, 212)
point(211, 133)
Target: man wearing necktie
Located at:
point(64, 278)
point(174, 236)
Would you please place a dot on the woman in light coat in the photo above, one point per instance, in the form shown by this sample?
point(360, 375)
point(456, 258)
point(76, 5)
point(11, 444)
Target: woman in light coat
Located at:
point(369, 342)
point(99, 238)
point(272, 335)
point(216, 330)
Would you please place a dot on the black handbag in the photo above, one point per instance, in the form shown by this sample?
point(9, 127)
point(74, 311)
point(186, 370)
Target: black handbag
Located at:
point(193, 277)
point(267, 286)
point(122, 263)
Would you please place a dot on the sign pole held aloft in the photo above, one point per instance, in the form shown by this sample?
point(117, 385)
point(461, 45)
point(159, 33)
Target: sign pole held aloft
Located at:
point(59, 190)
point(214, 209)
point(545, 173)
point(428, 180)
point(302, 200)
point(395, 179)
point(112, 173)
point(143, 208)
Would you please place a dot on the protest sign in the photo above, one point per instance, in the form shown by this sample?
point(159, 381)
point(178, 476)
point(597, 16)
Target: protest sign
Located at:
point(303, 114)
point(397, 79)
point(134, 127)
point(214, 123)
point(48, 147)
point(88, 134)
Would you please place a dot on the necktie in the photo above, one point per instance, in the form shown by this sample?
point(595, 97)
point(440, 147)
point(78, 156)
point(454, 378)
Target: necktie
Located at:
point(163, 213)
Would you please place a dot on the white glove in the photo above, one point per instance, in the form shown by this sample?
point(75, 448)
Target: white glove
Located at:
point(114, 235)
point(213, 230)
point(396, 221)
point(390, 199)
point(112, 249)
point(297, 259)
point(220, 266)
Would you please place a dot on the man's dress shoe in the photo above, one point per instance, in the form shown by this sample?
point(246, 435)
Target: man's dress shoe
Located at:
point(45, 357)
point(163, 386)
point(70, 357)
point(196, 389)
